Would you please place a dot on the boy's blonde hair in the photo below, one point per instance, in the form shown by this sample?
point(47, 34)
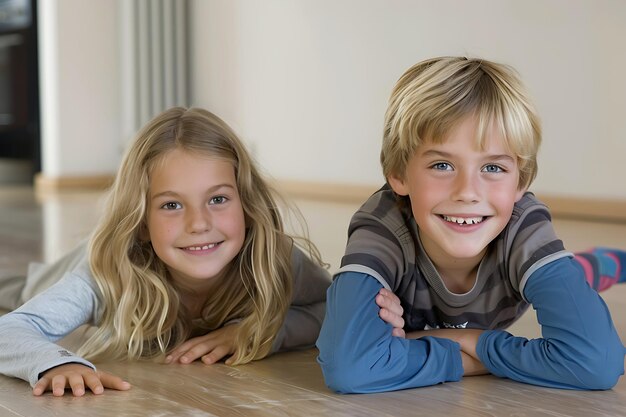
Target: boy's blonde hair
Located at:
point(142, 315)
point(433, 96)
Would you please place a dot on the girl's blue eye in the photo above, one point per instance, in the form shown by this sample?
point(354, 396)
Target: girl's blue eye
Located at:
point(442, 166)
point(220, 199)
point(492, 168)
point(171, 205)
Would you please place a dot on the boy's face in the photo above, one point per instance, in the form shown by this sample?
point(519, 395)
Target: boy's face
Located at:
point(461, 197)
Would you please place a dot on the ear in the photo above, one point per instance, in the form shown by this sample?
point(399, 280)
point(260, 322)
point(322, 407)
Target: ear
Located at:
point(398, 185)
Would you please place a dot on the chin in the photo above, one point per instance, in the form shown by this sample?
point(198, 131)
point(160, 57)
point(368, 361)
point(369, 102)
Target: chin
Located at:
point(466, 253)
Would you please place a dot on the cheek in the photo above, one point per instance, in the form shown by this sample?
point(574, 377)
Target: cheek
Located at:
point(235, 223)
point(429, 192)
point(504, 199)
point(159, 230)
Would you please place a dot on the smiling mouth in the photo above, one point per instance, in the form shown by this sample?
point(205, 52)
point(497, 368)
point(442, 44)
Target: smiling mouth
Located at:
point(463, 220)
point(203, 247)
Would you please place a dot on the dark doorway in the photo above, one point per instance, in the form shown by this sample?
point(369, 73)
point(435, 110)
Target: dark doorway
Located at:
point(19, 83)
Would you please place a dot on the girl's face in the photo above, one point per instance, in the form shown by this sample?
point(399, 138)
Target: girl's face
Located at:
point(195, 219)
point(462, 197)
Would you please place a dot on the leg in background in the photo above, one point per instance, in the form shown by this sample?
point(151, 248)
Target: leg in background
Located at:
point(603, 267)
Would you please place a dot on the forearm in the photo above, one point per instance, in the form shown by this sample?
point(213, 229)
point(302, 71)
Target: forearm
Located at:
point(358, 353)
point(28, 355)
point(580, 348)
point(27, 335)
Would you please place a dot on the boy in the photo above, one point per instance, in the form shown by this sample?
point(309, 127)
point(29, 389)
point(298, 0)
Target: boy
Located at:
point(456, 237)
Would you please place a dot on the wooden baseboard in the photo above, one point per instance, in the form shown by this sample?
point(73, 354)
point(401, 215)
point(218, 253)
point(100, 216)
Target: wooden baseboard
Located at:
point(606, 210)
point(594, 209)
point(46, 184)
point(343, 193)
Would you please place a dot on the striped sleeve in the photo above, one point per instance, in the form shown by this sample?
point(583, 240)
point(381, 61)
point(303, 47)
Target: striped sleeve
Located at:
point(379, 242)
point(531, 241)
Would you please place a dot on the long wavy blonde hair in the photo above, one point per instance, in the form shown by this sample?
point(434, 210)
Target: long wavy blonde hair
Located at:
point(142, 313)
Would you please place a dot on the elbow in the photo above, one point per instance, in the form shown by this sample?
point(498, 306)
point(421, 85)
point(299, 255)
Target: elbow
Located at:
point(339, 380)
point(599, 379)
point(351, 378)
point(603, 371)
point(346, 372)
point(342, 377)
point(605, 374)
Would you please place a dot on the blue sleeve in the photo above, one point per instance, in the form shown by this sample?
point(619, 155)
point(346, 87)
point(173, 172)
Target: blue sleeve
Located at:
point(580, 348)
point(358, 354)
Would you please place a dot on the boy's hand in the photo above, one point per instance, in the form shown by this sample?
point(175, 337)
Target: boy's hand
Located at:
point(391, 311)
point(210, 348)
point(76, 377)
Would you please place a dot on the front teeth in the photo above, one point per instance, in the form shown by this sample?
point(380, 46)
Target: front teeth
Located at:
point(205, 247)
point(461, 220)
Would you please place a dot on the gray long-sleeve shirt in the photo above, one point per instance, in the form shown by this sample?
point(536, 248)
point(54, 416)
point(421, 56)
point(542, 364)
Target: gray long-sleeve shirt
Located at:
point(28, 334)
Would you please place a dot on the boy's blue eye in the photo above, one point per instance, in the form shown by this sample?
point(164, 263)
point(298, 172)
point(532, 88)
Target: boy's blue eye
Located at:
point(442, 166)
point(492, 168)
point(171, 205)
point(220, 199)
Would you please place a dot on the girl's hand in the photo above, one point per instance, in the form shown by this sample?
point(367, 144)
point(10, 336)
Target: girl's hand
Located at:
point(210, 348)
point(391, 311)
point(76, 377)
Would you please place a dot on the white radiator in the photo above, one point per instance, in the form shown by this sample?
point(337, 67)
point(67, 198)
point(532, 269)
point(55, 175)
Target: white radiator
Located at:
point(154, 59)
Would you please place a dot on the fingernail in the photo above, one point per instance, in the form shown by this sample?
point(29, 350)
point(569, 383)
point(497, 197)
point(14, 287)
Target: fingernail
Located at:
point(168, 359)
point(184, 359)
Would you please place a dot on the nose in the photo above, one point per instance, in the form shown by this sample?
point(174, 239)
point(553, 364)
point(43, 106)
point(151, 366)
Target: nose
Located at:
point(466, 187)
point(198, 220)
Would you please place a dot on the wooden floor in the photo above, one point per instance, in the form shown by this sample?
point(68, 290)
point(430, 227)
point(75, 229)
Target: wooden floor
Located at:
point(289, 384)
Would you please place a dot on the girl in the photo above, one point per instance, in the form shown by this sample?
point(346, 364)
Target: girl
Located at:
point(192, 243)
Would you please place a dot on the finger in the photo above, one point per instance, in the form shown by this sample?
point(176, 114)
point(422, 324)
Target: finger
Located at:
point(198, 351)
point(76, 384)
point(391, 301)
point(58, 385)
point(393, 319)
point(179, 351)
point(389, 295)
point(381, 300)
point(215, 355)
point(92, 380)
point(390, 318)
point(230, 360)
point(41, 386)
point(395, 308)
point(398, 332)
point(113, 382)
point(384, 301)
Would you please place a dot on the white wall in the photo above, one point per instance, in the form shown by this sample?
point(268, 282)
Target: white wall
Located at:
point(305, 82)
point(80, 87)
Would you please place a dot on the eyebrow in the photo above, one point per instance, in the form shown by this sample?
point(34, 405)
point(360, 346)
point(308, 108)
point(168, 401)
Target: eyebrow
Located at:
point(210, 190)
point(442, 154)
